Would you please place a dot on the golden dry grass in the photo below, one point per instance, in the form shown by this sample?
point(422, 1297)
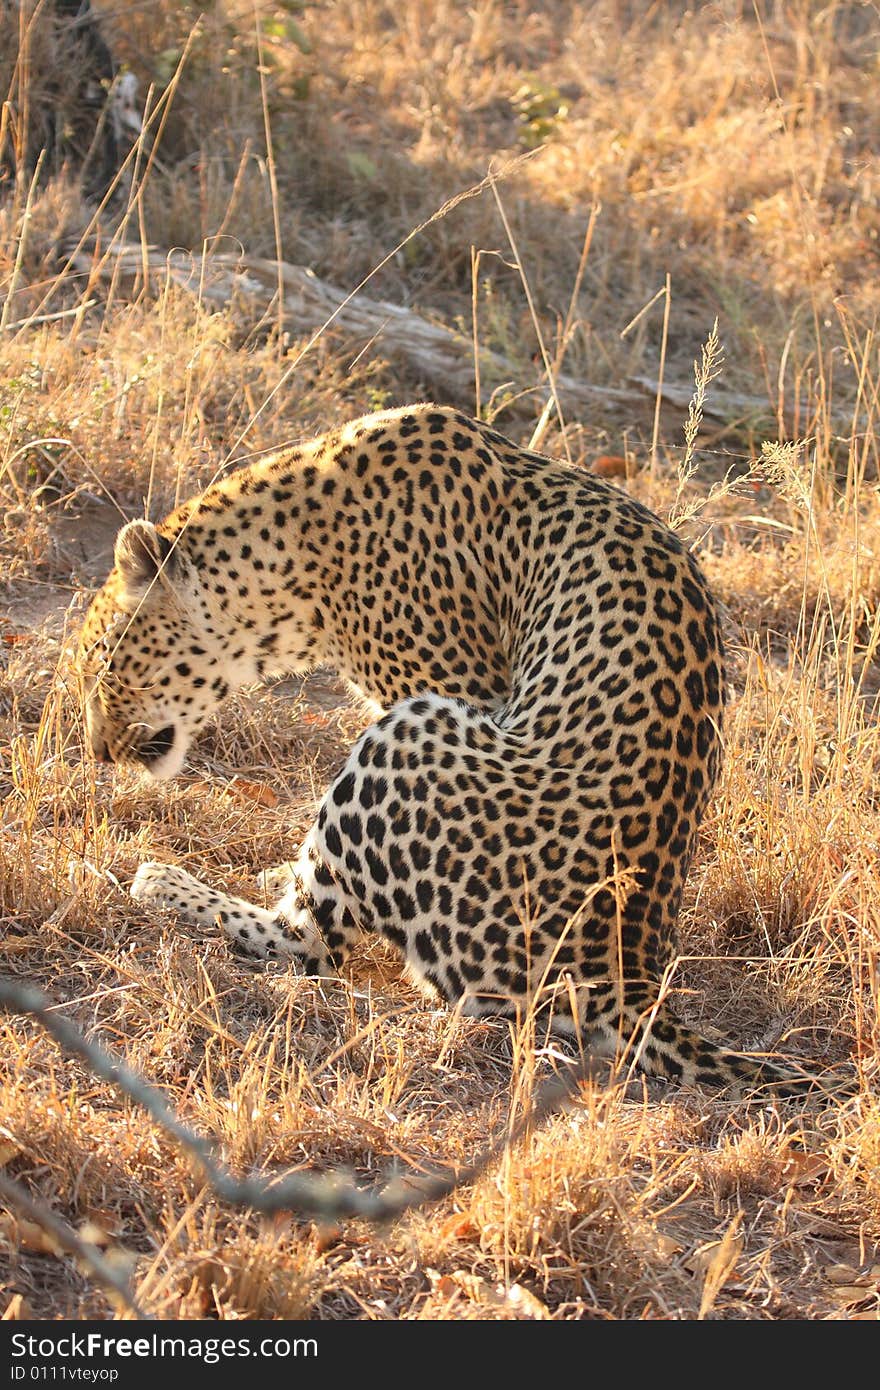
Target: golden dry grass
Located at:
point(740, 156)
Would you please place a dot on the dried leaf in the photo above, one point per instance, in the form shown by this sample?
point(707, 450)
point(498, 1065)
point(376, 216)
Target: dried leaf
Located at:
point(240, 789)
point(716, 1263)
point(516, 1300)
point(123, 1261)
point(28, 1235)
point(94, 1233)
point(198, 1299)
point(528, 1304)
point(8, 1150)
point(857, 1290)
point(849, 1293)
point(458, 1226)
point(848, 1274)
point(477, 1290)
point(318, 717)
point(325, 1236)
point(107, 1222)
point(667, 1245)
point(259, 792)
point(806, 1170)
point(201, 787)
point(17, 1310)
point(609, 466)
point(210, 1274)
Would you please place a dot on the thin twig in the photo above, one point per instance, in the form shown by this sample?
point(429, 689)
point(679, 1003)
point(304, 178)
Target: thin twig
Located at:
point(22, 242)
point(273, 182)
point(655, 437)
point(32, 322)
point(545, 356)
point(475, 327)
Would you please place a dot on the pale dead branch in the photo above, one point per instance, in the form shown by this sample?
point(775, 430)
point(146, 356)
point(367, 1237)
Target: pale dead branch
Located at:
point(442, 354)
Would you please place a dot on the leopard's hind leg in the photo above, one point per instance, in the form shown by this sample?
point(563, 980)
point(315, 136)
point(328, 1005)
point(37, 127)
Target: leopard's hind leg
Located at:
point(635, 1024)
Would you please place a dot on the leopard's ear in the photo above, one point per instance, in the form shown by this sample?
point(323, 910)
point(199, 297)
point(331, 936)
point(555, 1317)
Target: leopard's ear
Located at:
point(142, 556)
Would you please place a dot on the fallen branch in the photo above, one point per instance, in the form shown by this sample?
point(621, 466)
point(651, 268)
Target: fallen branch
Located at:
point(443, 355)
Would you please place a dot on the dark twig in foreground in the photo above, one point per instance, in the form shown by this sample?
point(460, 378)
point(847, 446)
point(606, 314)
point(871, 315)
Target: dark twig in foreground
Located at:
point(328, 1197)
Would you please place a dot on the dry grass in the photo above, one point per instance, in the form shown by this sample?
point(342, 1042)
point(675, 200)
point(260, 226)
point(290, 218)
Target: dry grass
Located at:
point(739, 156)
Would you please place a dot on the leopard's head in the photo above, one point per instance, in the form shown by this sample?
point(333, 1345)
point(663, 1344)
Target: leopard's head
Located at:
point(149, 658)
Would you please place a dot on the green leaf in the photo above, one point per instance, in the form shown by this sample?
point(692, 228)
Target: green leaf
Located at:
point(362, 166)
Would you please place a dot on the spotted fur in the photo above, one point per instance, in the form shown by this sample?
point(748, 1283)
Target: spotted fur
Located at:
point(520, 822)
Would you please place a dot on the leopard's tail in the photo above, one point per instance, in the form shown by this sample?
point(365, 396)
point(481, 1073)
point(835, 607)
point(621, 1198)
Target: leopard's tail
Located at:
point(636, 1024)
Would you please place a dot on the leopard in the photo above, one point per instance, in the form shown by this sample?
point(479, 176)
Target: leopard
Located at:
point(546, 663)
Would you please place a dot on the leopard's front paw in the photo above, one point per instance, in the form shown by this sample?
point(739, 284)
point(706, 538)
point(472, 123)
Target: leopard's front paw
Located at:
point(164, 885)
